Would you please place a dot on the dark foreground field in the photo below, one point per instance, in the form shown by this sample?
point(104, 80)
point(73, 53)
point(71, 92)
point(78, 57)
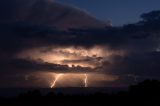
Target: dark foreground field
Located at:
point(146, 93)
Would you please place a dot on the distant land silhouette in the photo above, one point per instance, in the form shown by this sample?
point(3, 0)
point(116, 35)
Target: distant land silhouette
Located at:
point(146, 93)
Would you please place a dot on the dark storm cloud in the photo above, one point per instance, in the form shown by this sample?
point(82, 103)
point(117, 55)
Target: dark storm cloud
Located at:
point(132, 68)
point(19, 36)
point(16, 37)
point(22, 66)
point(18, 32)
point(46, 12)
point(22, 26)
point(144, 65)
point(91, 60)
point(139, 38)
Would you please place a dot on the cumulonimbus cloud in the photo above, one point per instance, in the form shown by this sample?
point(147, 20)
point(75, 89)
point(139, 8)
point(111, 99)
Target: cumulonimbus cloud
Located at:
point(27, 25)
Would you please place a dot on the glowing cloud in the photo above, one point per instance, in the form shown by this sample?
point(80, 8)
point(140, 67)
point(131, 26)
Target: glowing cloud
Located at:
point(78, 60)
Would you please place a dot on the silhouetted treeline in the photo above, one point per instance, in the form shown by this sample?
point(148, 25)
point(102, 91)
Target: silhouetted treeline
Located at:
point(146, 93)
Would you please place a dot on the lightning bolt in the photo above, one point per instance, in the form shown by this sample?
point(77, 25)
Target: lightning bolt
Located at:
point(56, 79)
point(85, 80)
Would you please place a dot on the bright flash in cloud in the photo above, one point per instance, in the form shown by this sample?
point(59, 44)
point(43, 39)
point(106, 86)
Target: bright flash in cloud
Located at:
point(72, 57)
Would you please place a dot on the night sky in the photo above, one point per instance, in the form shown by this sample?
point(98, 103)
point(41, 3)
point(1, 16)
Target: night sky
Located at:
point(47, 44)
point(119, 12)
